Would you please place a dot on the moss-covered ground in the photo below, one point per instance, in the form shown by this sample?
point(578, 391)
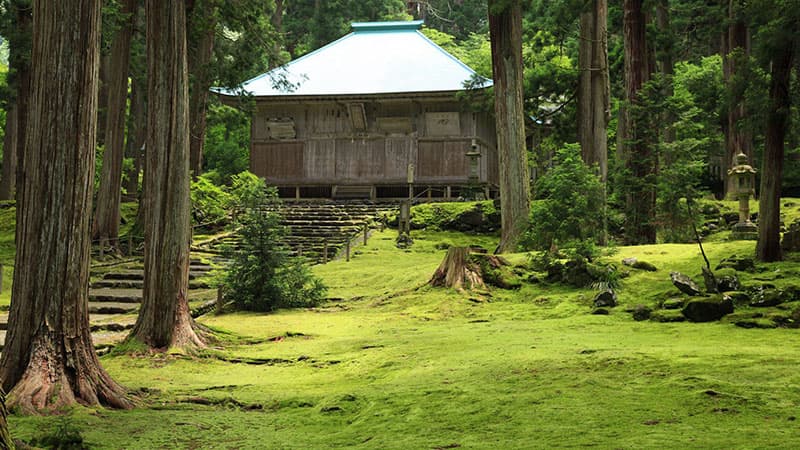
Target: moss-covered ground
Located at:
point(389, 363)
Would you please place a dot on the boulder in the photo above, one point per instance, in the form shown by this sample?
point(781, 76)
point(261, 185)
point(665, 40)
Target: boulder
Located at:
point(629, 261)
point(673, 303)
point(684, 284)
point(666, 316)
point(740, 264)
point(641, 312)
point(707, 309)
point(730, 218)
point(791, 238)
point(772, 297)
point(728, 281)
point(644, 265)
point(605, 298)
point(738, 298)
point(709, 280)
point(600, 312)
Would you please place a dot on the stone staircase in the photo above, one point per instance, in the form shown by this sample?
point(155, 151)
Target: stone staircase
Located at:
point(313, 226)
point(115, 295)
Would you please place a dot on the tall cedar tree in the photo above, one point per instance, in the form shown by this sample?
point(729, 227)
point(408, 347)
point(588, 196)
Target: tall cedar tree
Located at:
point(505, 28)
point(735, 49)
point(164, 320)
point(640, 156)
point(202, 24)
point(769, 202)
point(19, 22)
point(49, 360)
point(594, 110)
point(105, 225)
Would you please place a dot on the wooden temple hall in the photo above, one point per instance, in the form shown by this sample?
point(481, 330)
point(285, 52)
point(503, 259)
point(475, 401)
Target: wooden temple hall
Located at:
point(373, 115)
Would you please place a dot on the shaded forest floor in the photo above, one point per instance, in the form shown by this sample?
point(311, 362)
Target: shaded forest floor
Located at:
point(388, 362)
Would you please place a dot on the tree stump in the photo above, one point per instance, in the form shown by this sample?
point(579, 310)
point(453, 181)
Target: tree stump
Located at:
point(458, 270)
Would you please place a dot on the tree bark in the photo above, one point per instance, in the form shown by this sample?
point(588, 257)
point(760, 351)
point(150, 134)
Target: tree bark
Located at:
point(164, 320)
point(666, 66)
point(505, 28)
point(735, 45)
point(19, 80)
point(202, 24)
point(769, 204)
point(49, 360)
point(137, 134)
point(8, 181)
point(594, 110)
point(277, 25)
point(640, 157)
point(105, 225)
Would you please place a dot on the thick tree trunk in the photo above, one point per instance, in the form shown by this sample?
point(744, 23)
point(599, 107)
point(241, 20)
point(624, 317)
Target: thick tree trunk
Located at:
point(8, 181)
point(640, 157)
point(19, 80)
point(200, 77)
point(277, 25)
point(49, 359)
point(769, 204)
point(164, 320)
point(137, 134)
point(505, 28)
point(593, 91)
point(666, 66)
point(735, 45)
point(105, 225)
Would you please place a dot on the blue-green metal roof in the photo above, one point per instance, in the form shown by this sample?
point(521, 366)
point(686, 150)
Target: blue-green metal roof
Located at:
point(376, 58)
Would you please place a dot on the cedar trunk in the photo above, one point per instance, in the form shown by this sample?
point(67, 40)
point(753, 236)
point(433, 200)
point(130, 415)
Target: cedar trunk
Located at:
point(19, 80)
point(593, 88)
point(200, 76)
point(137, 134)
point(640, 157)
point(164, 320)
point(49, 360)
point(505, 28)
point(735, 46)
point(105, 225)
point(769, 202)
point(9, 176)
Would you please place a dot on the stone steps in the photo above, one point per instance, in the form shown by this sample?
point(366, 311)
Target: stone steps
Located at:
point(139, 284)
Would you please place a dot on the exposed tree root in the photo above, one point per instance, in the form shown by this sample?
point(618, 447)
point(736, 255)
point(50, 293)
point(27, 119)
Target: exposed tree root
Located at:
point(53, 380)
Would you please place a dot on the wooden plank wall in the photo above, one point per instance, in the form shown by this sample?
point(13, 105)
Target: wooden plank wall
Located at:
point(326, 150)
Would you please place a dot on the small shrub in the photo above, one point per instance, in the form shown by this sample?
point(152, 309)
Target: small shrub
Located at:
point(569, 211)
point(263, 276)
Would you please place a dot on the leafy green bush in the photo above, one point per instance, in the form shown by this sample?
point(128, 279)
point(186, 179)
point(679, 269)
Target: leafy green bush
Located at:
point(569, 212)
point(263, 276)
point(209, 202)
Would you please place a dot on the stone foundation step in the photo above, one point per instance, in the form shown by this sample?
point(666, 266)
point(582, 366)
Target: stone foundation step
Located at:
point(139, 275)
point(115, 295)
point(102, 340)
point(139, 284)
point(112, 308)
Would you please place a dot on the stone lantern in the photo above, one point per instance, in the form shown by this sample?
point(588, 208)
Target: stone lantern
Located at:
point(474, 191)
point(743, 174)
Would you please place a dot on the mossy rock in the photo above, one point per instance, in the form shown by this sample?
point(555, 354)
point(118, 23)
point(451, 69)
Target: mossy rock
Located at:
point(761, 323)
point(741, 264)
point(667, 316)
point(707, 309)
point(772, 297)
point(739, 298)
point(641, 312)
point(644, 265)
point(673, 303)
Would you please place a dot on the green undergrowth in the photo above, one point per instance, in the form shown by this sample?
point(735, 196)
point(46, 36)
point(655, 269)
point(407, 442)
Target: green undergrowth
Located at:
point(391, 363)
